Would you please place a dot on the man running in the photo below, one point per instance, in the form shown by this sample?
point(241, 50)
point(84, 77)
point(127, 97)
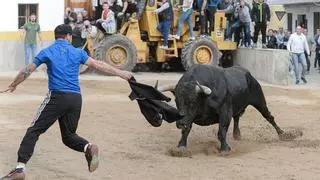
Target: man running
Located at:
point(63, 102)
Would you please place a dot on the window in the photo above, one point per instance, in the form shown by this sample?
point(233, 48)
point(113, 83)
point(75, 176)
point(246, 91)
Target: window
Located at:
point(24, 11)
point(302, 21)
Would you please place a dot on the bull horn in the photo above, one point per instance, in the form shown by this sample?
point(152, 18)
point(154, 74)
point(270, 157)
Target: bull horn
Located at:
point(203, 89)
point(156, 85)
point(165, 88)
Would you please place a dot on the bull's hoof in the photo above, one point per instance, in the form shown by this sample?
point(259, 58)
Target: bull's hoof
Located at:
point(290, 135)
point(237, 135)
point(225, 148)
point(179, 152)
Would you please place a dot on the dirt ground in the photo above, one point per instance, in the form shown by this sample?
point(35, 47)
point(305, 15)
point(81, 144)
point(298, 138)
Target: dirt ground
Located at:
point(132, 149)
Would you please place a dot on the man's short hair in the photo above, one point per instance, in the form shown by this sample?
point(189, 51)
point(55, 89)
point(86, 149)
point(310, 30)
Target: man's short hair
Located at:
point(61, 31)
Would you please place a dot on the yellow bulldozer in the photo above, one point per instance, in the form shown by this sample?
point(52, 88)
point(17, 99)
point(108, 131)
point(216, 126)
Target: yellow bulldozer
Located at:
point(138, 42)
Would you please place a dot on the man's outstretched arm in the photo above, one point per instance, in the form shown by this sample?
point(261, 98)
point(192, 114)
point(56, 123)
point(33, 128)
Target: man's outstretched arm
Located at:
point(23, 75)
point(107, 69)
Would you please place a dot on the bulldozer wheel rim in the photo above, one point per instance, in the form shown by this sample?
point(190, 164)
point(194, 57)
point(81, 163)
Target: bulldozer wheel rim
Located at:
point(203, 55)
point(117, 55)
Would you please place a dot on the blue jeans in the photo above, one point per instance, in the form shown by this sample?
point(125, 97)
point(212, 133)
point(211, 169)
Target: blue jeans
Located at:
point(299, 58)
point(246, 26)
point(164, 28)
point(28, 49)
point(185, 16)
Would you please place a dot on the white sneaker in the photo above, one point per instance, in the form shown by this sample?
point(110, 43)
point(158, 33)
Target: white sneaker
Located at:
point(176, 37)
point(192, 38)
point(163, 47)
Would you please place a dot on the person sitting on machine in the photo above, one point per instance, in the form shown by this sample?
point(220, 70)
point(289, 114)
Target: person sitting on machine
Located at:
point(107, 23)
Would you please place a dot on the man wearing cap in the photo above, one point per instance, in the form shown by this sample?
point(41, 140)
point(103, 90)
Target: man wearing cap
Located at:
point(63, 102)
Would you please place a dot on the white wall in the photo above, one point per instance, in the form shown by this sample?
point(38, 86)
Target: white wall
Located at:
point(50, 13)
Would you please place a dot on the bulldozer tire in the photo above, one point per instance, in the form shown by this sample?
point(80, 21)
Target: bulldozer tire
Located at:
point(201, 51)
point(118, 51)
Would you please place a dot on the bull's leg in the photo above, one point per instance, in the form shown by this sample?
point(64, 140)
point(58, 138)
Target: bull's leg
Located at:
point(225, 116)
point(184, 138)
point(263, 109)
point(236, 129)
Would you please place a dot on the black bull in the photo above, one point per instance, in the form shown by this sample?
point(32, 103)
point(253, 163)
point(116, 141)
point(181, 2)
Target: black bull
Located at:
point(206, 95)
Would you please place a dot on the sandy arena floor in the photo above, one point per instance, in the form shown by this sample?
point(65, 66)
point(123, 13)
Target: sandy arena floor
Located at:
point(132, 149)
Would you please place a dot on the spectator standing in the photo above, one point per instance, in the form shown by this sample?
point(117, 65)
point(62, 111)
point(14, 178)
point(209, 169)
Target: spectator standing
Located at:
point(201, 5)
point(226, 7)
point(30, 31)
point(296, 46)
point(271, 40)
point(185, 16)
point(308, 54)
point(210, 12)
point(166, 13)
point(242, 12)
point(316, 40)
point(261, 18)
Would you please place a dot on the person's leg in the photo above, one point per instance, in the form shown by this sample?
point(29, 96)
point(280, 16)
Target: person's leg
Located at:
point(247, 34)
point(27, 51)
point(210, 18)
point(182, 18)
point(212, 12)
point(302, 60)
point(189, 22)
point(234, 27)
point(315, 59)
point(33, 51)
point(307, 61)
point(68, 126)
point(296, 67)
point(47, 114)
point(264, 32)
point(256, 33)
point(166, 30)
point(318, 59)
point(202, 23)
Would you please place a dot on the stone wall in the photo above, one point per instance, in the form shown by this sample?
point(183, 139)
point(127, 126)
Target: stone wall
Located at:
point(268, 65)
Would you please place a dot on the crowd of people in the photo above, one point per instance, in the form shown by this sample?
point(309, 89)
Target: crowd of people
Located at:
point(109, 15)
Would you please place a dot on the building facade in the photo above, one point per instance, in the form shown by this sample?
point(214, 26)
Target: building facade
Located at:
point(305, 13)
point(14, 14)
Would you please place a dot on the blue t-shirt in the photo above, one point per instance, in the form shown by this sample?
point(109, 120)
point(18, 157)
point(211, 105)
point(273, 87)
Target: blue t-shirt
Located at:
point(63, 62)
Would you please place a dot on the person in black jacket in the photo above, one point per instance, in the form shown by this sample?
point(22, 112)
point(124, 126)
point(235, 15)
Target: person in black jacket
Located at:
point(261, 17)
point(271, 40)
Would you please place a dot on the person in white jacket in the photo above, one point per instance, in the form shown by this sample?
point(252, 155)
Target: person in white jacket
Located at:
point(296, 46)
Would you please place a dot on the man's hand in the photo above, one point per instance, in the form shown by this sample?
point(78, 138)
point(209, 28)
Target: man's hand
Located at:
point(126, 75)
point(93, 8)
point(202, 12)
point(268, 22)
